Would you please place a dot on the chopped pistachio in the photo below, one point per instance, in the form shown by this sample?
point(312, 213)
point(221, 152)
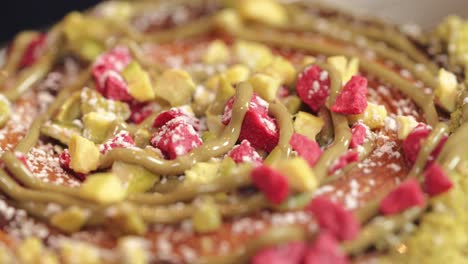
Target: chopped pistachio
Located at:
point(103, 188)
point(98, 125)
point(446, 90)
point(212, 83)
point(5, 110)
point(139, 83)
point(236, 74)
point(133, 250)
point(202, 172)
point(175, 86)
point(373, 116)
point(70, 109)
point(300, 176)
point(206, 218)
point(298, 201)
point(202, 98)
point(92, 101)
point(125, 219)
point(228, 20)
point(73, 252)
point(30, 250)
point(265, 85)
point(70, 220)
point(308, 125)
point(281, 69)
point(292, 103)
point(346, 68)
point(142, 137)
point(84, 154)
point(135, 178)
point(405, 125)
point(225, 91)
point(255, 55)
point(217, 52)
point(90, 49)
point(265, 11)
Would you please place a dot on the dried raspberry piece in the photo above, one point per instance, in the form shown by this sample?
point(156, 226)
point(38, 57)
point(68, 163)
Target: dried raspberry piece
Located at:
point(404, 196)
point(306, 148)
point(325, 250)
point(333, 218)
point(412, 144)
point(272, 183)
point(122, 140)
point(436, 180)
point(343, 160)
point(290, 253)
point(258, 127)
point(140, 111)
point(313, 87)
point(176, 112)
point(245, 153)
point(352, 100)
point(64, 160)
point(33, 50)
point(176, 138)
point(106, 72)
point(358, 132)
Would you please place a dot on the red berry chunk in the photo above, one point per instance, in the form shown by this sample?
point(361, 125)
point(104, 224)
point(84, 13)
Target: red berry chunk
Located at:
point(406, 195)
point(345, 159)
point(436, 180)
point(290, 253)
point(333, 218)
point(313, 87)
point(358, 131)
point(140, 111)
point(122, 140)
point(412, 144)
point(352, 100)
point(245, 153)
point(176, 138)
point(325, 250)
point(306, 148)
point(258, 127)
point(33, 51)
point(172, 113)
point(106, 72)
point(271, 183)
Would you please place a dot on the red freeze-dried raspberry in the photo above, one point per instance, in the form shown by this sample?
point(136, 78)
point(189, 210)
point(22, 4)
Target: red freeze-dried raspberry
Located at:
point(245, 153)
point(258, 127)
point(325, 250)
point(272, 183)
point(352, 100)
point(306, 148)
point(358, 132)
point(412, 144)
point(106, 72)
point(32, 51)
point(436, 180)
point(290, 253)
point(122, 140)
point(404, 196)
point(140, 111)
point(333, 218)
point(345, 159)
point(172, 113)
point(313, 87)
point(176, 138)
point(64, 160)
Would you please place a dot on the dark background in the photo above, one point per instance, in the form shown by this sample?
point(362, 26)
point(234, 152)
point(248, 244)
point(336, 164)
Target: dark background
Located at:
point(17, 15)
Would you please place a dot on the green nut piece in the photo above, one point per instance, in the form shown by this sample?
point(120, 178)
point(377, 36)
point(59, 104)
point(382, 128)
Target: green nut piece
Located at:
point(227, 166)
point(135, 178)
point(207, 218)
point(5, 110)
point(255, 55)
point(217, 52)
point(30, 250)
point(142, 137)
point(225, 91)
point(292, 103)
point(202, 172)
point(308, 124)
point(281, 69)
point(236, 74)
point(265, 86)
point(139, 82)
point(127, 221)
point(175, 86)
point(70, 220)
point(70, 109)
point(73, 252)
point(104, 188)
point(92, 101)
point(269, 12)
point(84, 154)
point(296, 202)
point(98, 125)
point(133, 250)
